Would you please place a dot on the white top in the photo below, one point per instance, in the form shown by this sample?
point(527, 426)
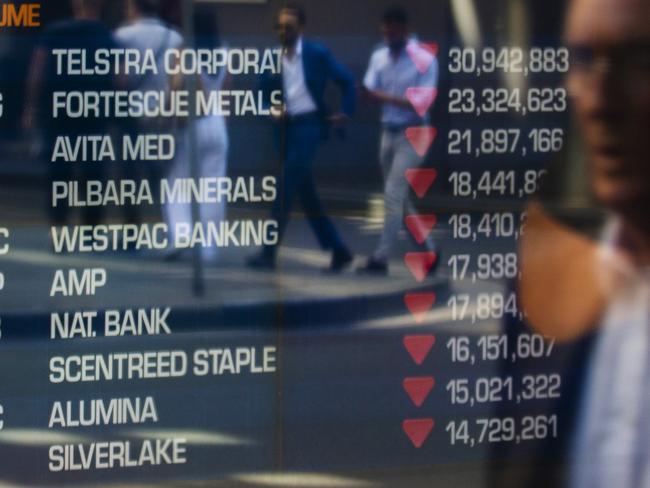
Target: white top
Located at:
point(395, 75)
point(153, 34)
point(296, 95)
point(612, 446)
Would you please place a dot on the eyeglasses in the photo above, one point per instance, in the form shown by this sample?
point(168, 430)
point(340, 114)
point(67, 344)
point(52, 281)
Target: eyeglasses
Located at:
point(631, 62)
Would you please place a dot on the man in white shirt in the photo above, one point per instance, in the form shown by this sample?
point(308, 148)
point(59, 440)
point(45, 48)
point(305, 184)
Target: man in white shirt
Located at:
point(144, 31)
point(572, 287)
point(297, 98)
point(610, 84)
point(391, 72)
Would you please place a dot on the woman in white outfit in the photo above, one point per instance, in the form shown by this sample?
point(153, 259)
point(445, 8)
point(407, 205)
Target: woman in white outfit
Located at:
point(210, 140)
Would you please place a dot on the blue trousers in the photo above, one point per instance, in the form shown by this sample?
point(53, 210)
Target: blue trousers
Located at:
point(298, 144)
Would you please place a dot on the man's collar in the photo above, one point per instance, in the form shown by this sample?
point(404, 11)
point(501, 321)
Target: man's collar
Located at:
point(411, 39)
point(297, 51)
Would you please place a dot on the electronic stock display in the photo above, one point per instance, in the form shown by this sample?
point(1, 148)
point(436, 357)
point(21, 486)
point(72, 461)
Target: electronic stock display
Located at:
point(164, 314)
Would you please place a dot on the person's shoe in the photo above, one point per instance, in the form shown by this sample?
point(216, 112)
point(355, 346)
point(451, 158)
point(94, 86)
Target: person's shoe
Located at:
point(261, 261)
point(374, 266)
point(341, 259)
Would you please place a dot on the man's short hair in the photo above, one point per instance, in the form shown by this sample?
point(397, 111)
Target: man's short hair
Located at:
point(296, 9)
point(148, 7)
point(395, 15)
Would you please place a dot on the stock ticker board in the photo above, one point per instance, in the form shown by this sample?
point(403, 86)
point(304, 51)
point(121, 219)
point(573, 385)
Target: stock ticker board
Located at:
point(261, 244)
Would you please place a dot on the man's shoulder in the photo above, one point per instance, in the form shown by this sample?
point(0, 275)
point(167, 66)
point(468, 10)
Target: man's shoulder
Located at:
point(127, 30)
point(379, 55)
point(61, 26)
point(315, 48)
point(72, 32)
point(415, 49)
point(68, 27)
point(138, 30)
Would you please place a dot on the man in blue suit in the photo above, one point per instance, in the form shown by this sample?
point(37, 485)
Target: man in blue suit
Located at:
point(303, 122)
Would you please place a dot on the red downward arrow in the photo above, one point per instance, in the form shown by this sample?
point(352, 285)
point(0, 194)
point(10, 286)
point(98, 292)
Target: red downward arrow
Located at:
point(420, 263)
point(432, 47)
point(418, 389)
point(421, 98)
point(420, 226)
point(421, 139)
point(421, 180)
point(419, 347)
point(420, 56)
point(418, 430)
point(419, 304)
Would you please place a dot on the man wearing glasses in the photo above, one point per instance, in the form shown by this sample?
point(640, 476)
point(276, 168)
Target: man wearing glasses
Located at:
point(572, 287)
point(304, 120)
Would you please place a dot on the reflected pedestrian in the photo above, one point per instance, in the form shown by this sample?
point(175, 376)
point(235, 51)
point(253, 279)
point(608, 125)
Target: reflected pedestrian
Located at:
point(303, 121)
point(83, 31)
point(211, 139)
point(392, 71)
point(572, 287)
point(144, 30)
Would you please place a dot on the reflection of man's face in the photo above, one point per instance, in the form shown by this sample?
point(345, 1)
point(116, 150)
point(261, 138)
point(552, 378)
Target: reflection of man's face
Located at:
point(288, 28)
point(610, 84)
point(395, 34)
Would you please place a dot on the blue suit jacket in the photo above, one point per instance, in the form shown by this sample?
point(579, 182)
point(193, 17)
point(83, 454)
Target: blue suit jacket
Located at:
point(319, 67)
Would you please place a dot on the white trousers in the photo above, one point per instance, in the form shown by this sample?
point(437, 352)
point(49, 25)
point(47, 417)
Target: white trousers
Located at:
point(396, 156)
point(211, 153)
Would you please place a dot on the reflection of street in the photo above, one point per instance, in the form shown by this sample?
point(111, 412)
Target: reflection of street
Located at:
point(229, 286)
point(30, 267)
point(340, 340)
point(331, 418)
point(31, 264)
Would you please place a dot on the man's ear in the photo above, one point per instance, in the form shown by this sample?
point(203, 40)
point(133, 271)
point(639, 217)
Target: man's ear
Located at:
point(561, 287)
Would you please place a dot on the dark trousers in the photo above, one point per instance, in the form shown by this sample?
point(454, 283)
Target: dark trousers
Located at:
point(300, 138)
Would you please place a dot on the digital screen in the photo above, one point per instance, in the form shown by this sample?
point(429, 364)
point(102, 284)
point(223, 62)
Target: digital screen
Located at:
point(324, 244)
